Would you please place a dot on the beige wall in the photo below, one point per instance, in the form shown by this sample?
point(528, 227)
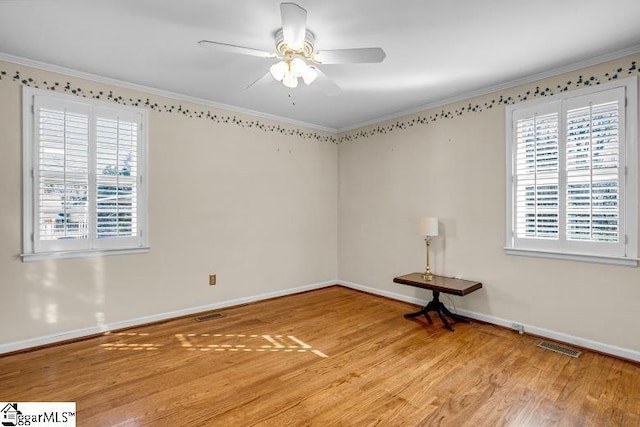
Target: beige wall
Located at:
point(269, 211)
point(454, 168)
point(259, 208)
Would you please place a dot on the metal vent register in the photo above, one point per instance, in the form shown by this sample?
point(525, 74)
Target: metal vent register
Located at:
point(560, 349)
point(209, 317)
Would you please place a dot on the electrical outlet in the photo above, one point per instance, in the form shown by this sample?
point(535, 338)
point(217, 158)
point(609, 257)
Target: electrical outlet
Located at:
point(212, 279)
point(518, 327)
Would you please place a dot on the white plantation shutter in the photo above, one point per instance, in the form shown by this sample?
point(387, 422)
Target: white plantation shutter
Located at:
point(117, 174)
point(593, 165)
point(537, 176)
point(84, 167)
point(62, 175)
point(573, 173)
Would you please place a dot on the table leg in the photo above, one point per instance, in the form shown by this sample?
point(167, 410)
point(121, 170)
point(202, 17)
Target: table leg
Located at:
point(423, 312)
point(426, 314)
point(444, 320)
point(453, 316)
point(436, 305)
point(412, 315)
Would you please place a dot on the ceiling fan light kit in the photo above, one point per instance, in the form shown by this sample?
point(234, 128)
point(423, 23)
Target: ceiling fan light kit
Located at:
point(295, 50)
point(294, 61)
point(290, 70)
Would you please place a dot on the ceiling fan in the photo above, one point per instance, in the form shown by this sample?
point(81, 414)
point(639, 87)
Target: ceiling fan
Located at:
point(296, 54)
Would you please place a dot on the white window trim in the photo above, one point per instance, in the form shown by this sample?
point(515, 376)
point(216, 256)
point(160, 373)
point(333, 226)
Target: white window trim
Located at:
point(630, 208)
point(28, 176)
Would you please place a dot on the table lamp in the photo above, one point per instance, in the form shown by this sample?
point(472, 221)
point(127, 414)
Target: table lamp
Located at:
point(428, 229)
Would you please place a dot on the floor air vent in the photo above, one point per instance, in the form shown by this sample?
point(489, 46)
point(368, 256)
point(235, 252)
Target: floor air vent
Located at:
point(560, 349)
point(209, 317)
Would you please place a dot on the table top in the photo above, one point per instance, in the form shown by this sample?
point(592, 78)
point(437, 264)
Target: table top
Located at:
point(447, 285)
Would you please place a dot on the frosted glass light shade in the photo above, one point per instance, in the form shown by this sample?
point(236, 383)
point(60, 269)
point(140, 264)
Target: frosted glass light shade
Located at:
point(279, 70)
point(290, 80)
point(298, 67)
point(288, 72)
point(428, 227)
point(309, 75)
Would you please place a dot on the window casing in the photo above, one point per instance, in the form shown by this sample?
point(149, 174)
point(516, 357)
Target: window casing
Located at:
point(84, 177)
point(572, 175)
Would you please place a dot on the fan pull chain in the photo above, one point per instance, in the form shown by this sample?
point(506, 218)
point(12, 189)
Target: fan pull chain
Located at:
point(292, 99)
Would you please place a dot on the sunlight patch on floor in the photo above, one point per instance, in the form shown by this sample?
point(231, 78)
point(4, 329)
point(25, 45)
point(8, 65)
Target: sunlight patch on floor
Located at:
point(246, 343)
point(219, 343)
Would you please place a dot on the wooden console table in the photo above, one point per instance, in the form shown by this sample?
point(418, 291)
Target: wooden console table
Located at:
point(439, 284)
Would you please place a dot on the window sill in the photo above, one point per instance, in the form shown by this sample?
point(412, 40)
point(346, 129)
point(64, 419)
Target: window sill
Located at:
point(81, 254)
point(600, 259)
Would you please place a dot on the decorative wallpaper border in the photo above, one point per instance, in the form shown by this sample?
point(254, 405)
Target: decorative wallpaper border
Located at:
point(405, 123)
point(109, 95)
point(350, 136)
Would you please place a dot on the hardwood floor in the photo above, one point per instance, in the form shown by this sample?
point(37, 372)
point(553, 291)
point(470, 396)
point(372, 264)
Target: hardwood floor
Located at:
point(328, 357)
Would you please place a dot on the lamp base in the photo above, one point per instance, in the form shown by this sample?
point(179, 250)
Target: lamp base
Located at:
point(427, 275)
point(427, 268)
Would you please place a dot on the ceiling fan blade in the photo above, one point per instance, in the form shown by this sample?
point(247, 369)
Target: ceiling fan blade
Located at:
point(325, 84)
point(262, 81)
point(294, 25)
point(231, 48)
point(350, 56)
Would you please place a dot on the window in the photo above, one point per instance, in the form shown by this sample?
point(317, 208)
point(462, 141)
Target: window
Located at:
point(572, 175)
point(84, 176)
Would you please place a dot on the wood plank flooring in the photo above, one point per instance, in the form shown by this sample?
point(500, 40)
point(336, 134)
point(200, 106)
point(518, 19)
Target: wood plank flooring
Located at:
point(331, 357)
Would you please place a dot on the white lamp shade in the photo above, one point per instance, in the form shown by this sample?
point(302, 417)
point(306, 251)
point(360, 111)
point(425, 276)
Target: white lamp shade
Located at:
point(428, 227)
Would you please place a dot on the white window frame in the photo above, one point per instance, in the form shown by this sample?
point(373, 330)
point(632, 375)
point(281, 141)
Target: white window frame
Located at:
point(590, 251)
point(34, 250)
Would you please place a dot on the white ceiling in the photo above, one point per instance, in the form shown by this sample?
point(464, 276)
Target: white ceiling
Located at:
point(435, 49)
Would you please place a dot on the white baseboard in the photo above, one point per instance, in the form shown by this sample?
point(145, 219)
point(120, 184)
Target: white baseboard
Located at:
point(79, 333)
point(534, 330)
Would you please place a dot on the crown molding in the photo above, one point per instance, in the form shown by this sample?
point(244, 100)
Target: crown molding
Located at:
point(155, 91)
point(611, 56)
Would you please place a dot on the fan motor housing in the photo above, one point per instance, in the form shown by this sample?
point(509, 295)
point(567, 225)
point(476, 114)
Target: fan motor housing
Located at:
point(285, 51)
